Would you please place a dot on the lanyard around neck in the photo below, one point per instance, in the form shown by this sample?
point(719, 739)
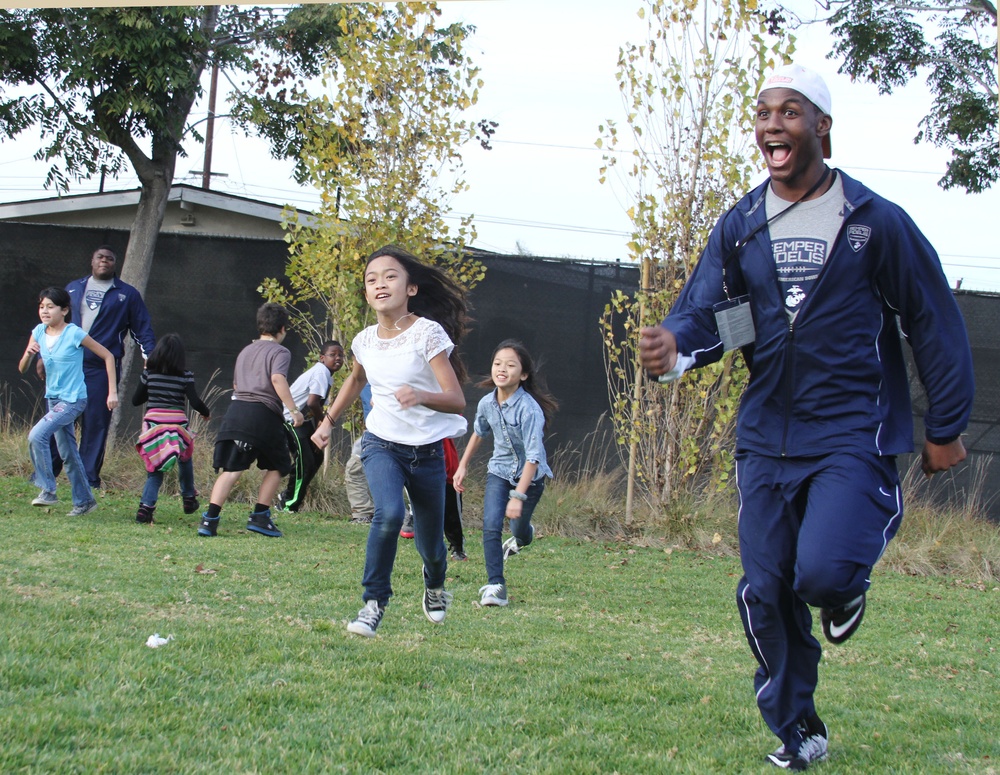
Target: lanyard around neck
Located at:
point(742, 243)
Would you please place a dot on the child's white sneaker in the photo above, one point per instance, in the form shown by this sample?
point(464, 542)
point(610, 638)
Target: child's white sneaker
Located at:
point(493, 594)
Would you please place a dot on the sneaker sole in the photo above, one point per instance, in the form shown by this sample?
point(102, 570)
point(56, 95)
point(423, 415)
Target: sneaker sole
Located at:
point(361, 629)
point(431, 614)
point(265, 531)
point(494, 601)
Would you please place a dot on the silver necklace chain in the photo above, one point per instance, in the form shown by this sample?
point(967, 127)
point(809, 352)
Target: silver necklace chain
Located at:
point(395, 326)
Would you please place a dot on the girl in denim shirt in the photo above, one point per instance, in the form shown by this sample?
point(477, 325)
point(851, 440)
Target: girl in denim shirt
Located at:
point(515, 413)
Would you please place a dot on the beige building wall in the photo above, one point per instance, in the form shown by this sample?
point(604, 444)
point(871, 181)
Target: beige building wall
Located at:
point(197, 219)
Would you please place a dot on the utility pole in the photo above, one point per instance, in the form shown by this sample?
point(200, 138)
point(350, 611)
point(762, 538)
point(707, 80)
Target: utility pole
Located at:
point(206, 170)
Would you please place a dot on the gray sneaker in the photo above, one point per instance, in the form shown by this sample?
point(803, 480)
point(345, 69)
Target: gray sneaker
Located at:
point(368, 619)
point(86, 508)
point(45, 499)
point(513, 546)
point(493, 594)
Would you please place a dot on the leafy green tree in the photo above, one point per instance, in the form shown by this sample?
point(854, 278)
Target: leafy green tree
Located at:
point(382, 146)
point(953, 43)
point(112, 89)
point(684, 155)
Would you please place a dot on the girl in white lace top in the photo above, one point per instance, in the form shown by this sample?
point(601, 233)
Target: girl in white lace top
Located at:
point(416, 377)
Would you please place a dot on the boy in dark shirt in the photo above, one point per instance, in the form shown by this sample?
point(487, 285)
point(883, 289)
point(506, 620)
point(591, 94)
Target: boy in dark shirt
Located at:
point(253, 428)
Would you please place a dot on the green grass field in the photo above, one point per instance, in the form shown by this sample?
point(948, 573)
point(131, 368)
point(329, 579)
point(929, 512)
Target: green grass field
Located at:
point(610, 658)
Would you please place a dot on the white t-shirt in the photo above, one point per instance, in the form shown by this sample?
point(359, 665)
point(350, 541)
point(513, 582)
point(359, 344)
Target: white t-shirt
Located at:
point(314, 381)
point(405, 360)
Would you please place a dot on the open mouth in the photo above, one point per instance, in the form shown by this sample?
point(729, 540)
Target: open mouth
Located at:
point(778, 153)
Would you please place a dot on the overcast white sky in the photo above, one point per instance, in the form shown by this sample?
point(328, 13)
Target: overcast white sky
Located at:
point(549, 69)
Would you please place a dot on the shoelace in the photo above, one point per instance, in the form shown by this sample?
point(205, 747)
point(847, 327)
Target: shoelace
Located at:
point(370, 614)
point(438, 599)
point(493, 590)
point(812, 747)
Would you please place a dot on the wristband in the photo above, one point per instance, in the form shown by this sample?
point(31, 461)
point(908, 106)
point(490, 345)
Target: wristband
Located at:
point(942, 441)
point(518, 496)
point(328, 417)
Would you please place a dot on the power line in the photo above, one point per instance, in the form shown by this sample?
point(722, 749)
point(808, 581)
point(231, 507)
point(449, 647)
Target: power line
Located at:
point(629, 152)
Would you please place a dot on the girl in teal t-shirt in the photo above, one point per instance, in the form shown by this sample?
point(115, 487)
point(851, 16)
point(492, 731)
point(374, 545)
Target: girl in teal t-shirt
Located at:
point(58, 343)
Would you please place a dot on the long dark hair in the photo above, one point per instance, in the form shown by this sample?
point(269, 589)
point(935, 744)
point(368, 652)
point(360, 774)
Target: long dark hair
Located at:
point(59, 297)
point(439, 297)
point(167, 357)
point(533, 384)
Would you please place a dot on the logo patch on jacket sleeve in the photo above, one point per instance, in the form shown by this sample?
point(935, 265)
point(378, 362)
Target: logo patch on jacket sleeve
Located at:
point(857, 236)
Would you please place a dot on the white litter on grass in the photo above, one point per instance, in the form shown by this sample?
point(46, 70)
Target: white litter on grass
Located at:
point(154, 641)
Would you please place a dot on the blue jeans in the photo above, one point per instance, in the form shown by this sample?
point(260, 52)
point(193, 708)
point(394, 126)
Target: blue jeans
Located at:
point(58, 423)
point(185, 472)
point(389, 467)
point(495, 498)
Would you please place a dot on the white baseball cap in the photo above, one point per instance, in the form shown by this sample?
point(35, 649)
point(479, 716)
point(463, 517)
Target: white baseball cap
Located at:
point(807, 83)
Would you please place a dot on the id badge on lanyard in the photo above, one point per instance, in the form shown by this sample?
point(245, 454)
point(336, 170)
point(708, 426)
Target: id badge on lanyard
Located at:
point(735, 322)
point(733, 317)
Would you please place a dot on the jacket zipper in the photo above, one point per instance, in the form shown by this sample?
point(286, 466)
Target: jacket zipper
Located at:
point(789, 385)
point(790, 338)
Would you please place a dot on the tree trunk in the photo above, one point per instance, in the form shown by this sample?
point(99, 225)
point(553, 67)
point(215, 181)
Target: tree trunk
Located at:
point(138, 261)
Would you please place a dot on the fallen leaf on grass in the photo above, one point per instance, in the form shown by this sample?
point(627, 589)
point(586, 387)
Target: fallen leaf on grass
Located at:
point(199, 568)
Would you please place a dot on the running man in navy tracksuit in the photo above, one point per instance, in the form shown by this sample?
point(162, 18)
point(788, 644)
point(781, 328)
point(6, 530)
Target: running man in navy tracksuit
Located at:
point(829, 274)
point(107, 309)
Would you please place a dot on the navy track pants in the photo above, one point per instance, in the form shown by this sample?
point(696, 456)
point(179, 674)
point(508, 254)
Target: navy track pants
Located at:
point(810, 530)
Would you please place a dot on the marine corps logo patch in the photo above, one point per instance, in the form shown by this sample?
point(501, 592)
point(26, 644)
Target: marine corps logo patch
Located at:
point(857, 236)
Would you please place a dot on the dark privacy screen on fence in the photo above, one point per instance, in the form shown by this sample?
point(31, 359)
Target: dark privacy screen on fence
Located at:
point(205, 289)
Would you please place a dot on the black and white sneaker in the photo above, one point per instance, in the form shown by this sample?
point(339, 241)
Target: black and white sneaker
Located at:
point(839, 624)
point(436, 604)
point(368, 619)
point(811, 749)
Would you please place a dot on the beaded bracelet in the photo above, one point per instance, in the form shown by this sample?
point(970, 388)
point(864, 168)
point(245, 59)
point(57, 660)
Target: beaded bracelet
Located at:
point(518, 496)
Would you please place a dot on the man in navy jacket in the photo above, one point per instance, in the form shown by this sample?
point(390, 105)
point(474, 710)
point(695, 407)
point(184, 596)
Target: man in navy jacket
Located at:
point(815, 276)
point(107, 309)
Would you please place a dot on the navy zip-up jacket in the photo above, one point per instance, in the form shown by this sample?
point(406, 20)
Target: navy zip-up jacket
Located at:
point(122, 310)
point(835, 379)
